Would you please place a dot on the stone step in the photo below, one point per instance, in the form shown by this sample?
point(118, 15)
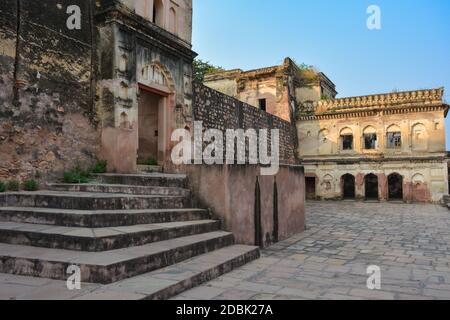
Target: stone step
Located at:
point(90, 201)
point(99, 218)
point(168, 282)
point(99, 239)
point(109, 266)
point(149, 169)
point(149, 180)
point(120, 188)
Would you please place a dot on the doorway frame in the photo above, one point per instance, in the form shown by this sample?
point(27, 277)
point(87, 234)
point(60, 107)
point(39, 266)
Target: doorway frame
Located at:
point(343, 186)
point(166, 117)
point(365, 187)
point(389, 187)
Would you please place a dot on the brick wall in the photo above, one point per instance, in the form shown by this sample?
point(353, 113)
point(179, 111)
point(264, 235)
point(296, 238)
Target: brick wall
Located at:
point(219, 111)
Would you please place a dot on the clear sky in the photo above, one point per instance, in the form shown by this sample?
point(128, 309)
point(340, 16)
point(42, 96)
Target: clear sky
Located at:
point(411, 51)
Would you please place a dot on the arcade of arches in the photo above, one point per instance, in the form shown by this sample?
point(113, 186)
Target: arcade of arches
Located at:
point(370, 186)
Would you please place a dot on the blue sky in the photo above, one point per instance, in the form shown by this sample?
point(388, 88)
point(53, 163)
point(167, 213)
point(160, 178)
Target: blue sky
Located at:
point(411, 51)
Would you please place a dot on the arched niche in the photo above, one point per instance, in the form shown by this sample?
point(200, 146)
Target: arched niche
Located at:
point(419, 137)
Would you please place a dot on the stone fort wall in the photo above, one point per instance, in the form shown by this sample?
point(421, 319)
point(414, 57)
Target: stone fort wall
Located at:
point(219, 111)
point(47, 121)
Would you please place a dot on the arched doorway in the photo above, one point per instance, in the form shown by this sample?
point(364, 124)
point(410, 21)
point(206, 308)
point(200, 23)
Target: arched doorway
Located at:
point(395, 186)
point(348, 186)
point(371, 187)
point(310, 188)
point(156, 91)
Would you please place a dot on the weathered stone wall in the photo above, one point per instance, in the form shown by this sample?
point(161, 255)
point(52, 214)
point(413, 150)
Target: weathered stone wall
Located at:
point(219, 111)
point(259, 210)
point(8, 43)
point(46, 117)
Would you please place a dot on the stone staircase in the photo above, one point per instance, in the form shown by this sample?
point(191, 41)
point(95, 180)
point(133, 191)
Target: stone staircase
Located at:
point(120, 230)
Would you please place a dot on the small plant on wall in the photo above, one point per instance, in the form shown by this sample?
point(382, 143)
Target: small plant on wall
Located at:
point(2, 187)
point(30, 185)
point(13, 185)
point(151, 162)
point(76, 175)
point(100, 167)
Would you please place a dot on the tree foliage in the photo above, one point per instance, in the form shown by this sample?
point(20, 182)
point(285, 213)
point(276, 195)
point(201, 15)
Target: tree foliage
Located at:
point(202, 68)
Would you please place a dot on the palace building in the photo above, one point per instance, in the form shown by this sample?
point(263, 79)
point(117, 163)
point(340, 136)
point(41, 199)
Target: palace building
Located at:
point(382, 147)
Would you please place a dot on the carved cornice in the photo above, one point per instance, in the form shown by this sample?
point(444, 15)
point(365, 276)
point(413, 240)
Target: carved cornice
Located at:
point(239, 74)
point(372, 105)
point(384, 159)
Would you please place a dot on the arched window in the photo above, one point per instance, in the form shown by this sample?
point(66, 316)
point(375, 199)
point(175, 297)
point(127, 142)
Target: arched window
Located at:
point(123, 92)
point(370, 138)
point(420, 190)
point(158, 13)
point(124, 122)
point(144, 73)
point(346, 139)
point(394, 137)
point(123, 63)
point(173, 21)
point(419, 137)
point(323, 135)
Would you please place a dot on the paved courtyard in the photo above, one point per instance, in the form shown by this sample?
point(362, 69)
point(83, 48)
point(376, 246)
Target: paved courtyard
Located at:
point(410, 243)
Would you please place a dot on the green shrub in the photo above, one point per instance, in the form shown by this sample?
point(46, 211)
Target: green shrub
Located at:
point(30, 185)
point(2, 187)
point(76, 175)
point(13, 185)
point(151, 162)
point(100, 167)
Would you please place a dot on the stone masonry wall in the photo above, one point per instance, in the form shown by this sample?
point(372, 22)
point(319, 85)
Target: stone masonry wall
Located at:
point(219, 111)
point(47, 121)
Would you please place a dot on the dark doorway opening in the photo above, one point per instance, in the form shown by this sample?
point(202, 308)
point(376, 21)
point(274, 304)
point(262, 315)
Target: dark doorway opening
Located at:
point(371, 187)
point(262, 104)
point(395, 185)
point(150, 108)
point(348, 186)
point(310, 188)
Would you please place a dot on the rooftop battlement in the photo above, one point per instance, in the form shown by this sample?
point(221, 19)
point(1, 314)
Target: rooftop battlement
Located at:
point(416, 98)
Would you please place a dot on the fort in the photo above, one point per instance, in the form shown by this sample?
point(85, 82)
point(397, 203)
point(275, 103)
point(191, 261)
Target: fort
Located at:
point(86, 122)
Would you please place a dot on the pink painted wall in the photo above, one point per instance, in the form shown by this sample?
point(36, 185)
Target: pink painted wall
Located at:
point(119, 148)
point(229, 191)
